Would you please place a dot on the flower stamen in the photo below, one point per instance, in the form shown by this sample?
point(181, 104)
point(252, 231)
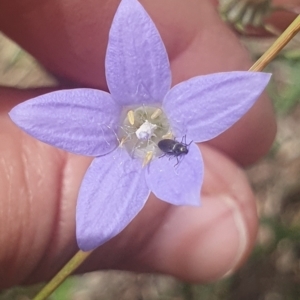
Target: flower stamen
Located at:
point(144, 127)
point(169, 135)
point(156, 114)
point(122, 141)
point(130, 117)
point(148, 157)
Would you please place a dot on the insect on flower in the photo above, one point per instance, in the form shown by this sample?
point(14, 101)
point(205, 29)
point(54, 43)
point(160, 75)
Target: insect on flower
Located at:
point(174, 148)
point(85, 121)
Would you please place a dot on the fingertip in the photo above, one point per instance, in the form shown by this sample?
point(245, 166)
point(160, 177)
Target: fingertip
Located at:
point(205, 243)
point(219, 242)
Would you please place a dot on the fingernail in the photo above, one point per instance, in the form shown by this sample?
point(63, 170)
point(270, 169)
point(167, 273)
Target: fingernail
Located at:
point(224, 239)
point(242, 233)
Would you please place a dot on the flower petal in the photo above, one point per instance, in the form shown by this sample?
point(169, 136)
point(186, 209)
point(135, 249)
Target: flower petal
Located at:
point(177, 184)
point(112, 193)
point(205, 106)
point(137, 65)
point(81, 121)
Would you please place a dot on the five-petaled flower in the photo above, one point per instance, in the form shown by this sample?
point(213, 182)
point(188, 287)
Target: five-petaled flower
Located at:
point(95, 123)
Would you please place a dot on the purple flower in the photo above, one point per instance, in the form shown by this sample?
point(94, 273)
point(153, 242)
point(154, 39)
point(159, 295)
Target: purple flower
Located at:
point(122, 129)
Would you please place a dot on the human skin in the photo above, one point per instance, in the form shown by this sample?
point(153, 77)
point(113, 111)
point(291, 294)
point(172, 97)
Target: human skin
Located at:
point(39, 183)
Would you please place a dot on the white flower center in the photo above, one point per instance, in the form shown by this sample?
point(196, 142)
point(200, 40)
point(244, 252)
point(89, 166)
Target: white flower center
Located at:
point(142, 128)
point(146, 131)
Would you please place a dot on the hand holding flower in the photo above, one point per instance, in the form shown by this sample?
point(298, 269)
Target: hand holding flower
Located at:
point(170, 225)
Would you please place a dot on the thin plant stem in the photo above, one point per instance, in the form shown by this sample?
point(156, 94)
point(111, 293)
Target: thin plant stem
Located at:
point(62, 275)
point(277, 46)
point(81, 256)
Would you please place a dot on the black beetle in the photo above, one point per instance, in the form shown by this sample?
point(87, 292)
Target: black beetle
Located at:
point(174, 148)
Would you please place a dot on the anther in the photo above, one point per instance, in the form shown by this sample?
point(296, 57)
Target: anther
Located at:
point(156, 114)
point(130, 116)
point(168, 135)
point(147, 158)
point(122, 142)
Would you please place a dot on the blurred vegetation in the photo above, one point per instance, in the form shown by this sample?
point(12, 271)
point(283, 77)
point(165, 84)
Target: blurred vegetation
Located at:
point(284, 89)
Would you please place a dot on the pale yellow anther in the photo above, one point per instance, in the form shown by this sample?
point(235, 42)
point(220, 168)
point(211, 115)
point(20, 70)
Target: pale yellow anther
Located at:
point(130, 116)
point(123, 140)
point(147, 158)
point(156, 114)
point(168, 135)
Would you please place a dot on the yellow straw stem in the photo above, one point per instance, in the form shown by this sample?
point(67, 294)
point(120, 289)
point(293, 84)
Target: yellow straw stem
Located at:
point(284, 38)
point(62, 275)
